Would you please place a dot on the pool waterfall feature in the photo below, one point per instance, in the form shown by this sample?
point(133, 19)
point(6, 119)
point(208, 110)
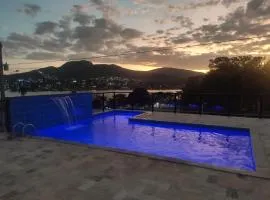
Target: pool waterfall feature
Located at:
point(69, 118)
point(67, 108)
point(48, 111)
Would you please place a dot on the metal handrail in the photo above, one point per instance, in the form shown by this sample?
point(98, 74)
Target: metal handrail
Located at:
point(17, 124)
point(31, 125)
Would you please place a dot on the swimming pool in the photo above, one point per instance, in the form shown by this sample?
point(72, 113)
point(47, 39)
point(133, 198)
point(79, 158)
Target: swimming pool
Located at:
point(216, 146)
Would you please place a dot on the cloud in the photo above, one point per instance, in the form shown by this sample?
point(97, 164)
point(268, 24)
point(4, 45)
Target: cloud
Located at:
point(55, 45)
point(168, 58)
point(83, 19)
point(182, 40)
point(201, 4)
point(258, 8)
point(79, 33)
point(30, 9)
point(228, 3)
point(80, 15)
point(17, 44)
point(45, 27)
point(130, 33)
point(106, 7)
point(242, 22)
point(155, 2)
point(66, 37)
point(159, 31)
point(185, 22)
point(44, 56)
point(22, 40)
point(96, 37)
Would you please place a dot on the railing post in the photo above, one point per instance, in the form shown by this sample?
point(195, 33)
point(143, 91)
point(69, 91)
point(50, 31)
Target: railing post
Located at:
point(261, 106)
point(7, 115)
point(175, 103)
point(228, 105)
point(114, 104)
point(152, 102)
point(241, 103)
point(201, 105)
point(103, 102)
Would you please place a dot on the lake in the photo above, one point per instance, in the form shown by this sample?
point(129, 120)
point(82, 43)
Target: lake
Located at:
point(16, 94)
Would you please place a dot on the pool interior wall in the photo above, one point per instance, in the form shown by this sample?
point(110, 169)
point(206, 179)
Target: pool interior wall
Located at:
point(216, 146)
point(45, 111)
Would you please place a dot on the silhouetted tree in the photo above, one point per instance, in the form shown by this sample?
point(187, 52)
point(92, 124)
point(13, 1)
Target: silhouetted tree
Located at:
point(98, 102)
point(241, 74)
point(140, 97)
point(120, 101)
point(231, 75)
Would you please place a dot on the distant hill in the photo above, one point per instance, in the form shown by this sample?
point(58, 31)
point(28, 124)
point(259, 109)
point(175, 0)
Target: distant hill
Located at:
point(83, 70)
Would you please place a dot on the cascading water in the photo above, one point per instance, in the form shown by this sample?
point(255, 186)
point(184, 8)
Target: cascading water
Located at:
point(66, 105)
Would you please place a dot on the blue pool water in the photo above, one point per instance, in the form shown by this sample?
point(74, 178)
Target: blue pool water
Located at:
point(221, 147)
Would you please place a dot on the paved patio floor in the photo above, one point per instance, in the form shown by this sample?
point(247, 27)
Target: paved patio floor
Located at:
point(42, 170)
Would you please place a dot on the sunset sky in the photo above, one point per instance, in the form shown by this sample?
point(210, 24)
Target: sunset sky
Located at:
point(38, 30)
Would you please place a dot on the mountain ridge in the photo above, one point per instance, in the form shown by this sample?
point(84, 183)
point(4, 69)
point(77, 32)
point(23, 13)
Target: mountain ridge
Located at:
point(84, 70)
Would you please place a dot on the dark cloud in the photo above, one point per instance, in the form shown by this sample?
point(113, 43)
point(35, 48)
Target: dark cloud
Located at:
point(83, 19)
point(202, 4)
point(130, 33)
point(80, 16)
point(155, 2)
point(106, 8)
point(161, 21)
point(243, 22)
point(65, 31)
point(18, 40)
point(44, 56)
point(65, 22)
point(89, 38)
point(55, 45)
point(182, 40)
point(185, 22)
point(193, 5)
point(17, 44)
point(30, 9)
point(96, 37)
point(45, 27)
point(205, 19)
point(258, 8)
point(228, 3)
point(159, 31)
point(97, 2)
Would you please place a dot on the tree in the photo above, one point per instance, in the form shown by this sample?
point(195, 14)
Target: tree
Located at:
point(98, 102)
point(240, 74)
point(140, 97)
point(231, 75)
point(120, 100)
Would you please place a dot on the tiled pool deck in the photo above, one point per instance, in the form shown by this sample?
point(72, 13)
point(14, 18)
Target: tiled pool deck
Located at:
point(40, 169)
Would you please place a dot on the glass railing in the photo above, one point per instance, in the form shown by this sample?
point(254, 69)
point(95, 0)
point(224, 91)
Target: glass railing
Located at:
point(209, 103)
